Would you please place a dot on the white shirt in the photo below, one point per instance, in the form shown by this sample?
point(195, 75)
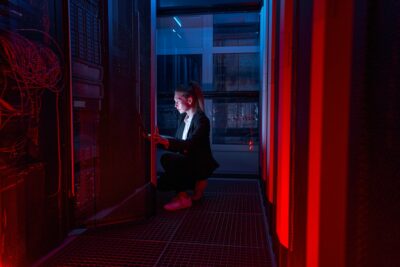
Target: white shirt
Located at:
point(187, 121)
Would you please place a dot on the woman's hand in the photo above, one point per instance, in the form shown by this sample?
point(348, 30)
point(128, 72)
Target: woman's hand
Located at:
point(158, 139)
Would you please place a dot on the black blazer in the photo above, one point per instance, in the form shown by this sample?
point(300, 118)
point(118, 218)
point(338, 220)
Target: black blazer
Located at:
point(197, 144)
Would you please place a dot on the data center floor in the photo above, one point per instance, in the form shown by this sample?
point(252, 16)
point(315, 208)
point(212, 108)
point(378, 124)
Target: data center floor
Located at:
point(228, 228)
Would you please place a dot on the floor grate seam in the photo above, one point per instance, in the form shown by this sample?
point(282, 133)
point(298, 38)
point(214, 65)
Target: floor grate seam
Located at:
point(215, 244)
point(228, 213)
point(128, 238)
point(171, 238)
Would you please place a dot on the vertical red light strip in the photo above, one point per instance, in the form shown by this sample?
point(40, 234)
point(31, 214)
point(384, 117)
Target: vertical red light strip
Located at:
point(329, 129)
point(271, 50)
point(315, 142)
point(284, 120)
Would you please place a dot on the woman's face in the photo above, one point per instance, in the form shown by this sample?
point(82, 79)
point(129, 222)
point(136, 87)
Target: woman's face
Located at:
point(182, 104)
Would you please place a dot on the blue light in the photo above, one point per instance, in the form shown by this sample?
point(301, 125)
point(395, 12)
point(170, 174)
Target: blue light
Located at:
point(178, 21)
point(173, 30)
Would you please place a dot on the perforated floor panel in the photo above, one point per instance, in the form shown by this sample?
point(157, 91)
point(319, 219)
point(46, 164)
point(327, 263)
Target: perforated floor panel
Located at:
point(223, 229)
point(98, 251)
point(178, 254)
point(229, 203)
point(226, 229)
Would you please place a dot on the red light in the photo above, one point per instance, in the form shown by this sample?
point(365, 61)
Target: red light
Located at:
point(251, 145)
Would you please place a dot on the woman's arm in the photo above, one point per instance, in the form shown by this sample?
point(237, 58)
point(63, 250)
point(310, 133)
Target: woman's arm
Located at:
point(158, 139)
point(200, 132)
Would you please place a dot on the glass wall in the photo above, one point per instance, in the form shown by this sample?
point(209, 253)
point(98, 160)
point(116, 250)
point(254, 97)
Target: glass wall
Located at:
point(221, 52)
point(240, 29)
point(235, 121)
point(236, 72)
point(176, 69)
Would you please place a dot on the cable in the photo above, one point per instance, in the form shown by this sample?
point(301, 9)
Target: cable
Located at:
point(33, 68)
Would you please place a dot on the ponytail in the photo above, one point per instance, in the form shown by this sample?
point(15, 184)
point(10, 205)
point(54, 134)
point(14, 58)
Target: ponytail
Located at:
point(194, 90)
point(197, 93)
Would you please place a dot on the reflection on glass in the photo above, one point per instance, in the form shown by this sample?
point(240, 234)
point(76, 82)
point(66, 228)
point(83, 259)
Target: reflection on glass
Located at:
point(180, 32)
point(237, 72)
point(241, 29)
point(167, 116)
point(235, 123)
point(173, 70)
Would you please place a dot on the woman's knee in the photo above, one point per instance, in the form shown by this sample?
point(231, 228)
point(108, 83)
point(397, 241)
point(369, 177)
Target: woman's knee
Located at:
point(171, 161)
point(165, 160)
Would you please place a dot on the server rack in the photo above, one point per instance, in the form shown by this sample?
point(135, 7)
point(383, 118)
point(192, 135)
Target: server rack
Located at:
point(111, 110)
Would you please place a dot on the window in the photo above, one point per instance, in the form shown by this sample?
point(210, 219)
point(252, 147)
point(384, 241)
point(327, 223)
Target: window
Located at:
point(235, 121)
point(241, 29)
point(173, 70)
point(236, 72)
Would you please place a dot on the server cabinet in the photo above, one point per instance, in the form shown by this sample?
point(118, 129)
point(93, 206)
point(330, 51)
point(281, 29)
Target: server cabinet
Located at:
point(86, 23)
point(22, 201)
point(111, 110)
point(34, 136)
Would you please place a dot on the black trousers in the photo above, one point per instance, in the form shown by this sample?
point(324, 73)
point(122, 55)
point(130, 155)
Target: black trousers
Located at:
point(179, 175)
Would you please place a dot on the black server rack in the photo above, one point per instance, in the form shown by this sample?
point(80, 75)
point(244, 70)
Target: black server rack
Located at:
point(86, 21)
point(33, 129)
point(110, 50)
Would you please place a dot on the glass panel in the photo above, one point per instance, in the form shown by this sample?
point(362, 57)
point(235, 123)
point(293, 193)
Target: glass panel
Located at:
point(237, 72)
point(167, 116)
point(180, 32)
point(230, 69)
point(235, 122)
point(173, 70)
point(240, 29)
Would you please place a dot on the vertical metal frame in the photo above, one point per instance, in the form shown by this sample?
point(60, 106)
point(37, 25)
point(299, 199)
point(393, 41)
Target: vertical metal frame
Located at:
point(153, 89)
point(271, 72)
point(71, 191)
point(264, 27)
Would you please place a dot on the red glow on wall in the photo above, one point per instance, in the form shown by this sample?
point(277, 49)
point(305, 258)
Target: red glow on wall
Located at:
point(284, 121)
point(315, 142)
point(330, 88)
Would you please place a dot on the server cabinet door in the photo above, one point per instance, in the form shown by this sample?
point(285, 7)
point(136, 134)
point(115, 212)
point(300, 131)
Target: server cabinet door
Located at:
point(111, 108)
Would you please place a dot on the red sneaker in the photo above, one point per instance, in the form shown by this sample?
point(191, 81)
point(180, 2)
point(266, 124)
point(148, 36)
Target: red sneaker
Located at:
point(178, 203)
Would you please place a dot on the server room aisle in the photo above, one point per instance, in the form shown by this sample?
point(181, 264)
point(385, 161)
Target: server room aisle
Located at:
point(227, 229)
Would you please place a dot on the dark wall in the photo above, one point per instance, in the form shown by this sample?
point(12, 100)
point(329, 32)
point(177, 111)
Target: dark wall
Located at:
point(374, 185)
point(301, 99)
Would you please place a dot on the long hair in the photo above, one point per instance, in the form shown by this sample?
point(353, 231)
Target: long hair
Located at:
point(193, 89)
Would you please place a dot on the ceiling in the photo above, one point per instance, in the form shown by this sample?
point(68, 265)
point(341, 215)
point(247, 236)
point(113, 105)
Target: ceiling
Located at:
point(169, 7)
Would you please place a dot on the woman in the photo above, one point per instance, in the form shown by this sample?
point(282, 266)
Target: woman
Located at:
point(192, 162)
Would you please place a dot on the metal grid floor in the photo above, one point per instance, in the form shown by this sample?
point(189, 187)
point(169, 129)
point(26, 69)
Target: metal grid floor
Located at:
point(226, 229)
